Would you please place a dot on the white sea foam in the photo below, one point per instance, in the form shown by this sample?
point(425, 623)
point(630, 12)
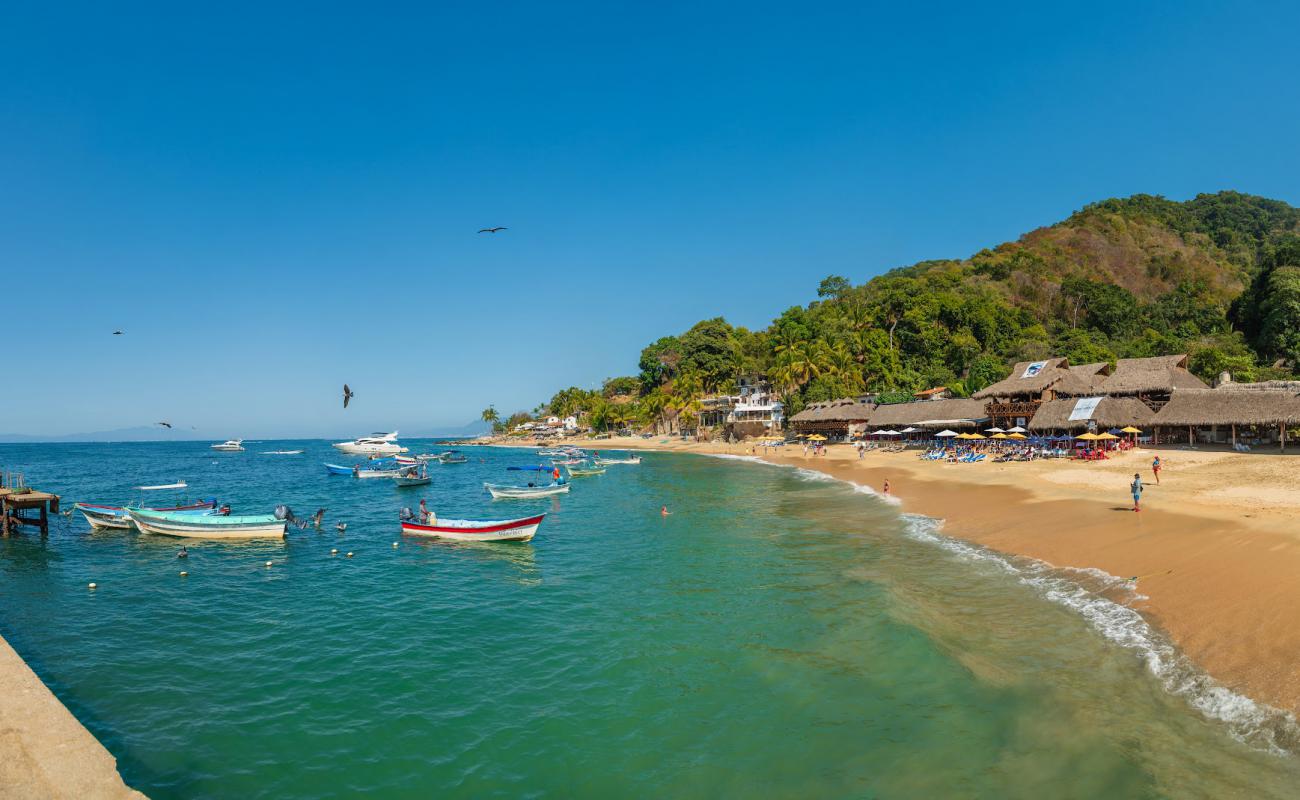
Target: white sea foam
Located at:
point(730, 457)
point(1084, 590)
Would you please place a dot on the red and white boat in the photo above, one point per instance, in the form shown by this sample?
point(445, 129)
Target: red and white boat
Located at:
point(470, 530)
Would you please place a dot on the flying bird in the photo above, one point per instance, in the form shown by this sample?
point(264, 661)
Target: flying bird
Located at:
point(117, 333)
point(164, 424)
point(347, 395)
point(492, 230)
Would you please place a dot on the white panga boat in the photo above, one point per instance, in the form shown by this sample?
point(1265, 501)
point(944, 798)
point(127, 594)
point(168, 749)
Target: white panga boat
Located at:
point(600, 462)
point(282, 452)
point(246, 526)
point(500, 492)
point(230, 446)
point(104, 516)
point(470, 530)
point(385, 443)
point(583, 471)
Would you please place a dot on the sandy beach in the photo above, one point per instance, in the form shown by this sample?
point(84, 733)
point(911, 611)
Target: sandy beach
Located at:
point(1215, 547)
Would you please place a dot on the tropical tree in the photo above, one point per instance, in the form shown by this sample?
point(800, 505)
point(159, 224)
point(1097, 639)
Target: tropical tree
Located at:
point(491, 417)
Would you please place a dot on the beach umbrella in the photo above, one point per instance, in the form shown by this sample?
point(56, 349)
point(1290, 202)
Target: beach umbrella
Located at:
point(1129, 429)
point(910, 429)
point(945, 434)
point(1087, 437)
point(994, 430)
point(998, 436)
point(976, 436)
point(1016, 435)
point(816, 437)
point(1106, 435)
point(1016, 429)
point(888, 432)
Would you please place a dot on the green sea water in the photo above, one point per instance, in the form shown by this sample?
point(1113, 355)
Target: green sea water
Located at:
point(778, 635)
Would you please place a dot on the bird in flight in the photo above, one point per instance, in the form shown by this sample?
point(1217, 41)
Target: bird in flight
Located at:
point(164, 424)
point(492, 230)
point(347, 395)
point(117, 333)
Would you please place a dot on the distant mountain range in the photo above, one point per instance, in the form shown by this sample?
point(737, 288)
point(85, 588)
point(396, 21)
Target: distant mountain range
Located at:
point(153, 433)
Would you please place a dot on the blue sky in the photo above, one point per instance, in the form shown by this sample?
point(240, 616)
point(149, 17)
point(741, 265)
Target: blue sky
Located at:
point(271, 199)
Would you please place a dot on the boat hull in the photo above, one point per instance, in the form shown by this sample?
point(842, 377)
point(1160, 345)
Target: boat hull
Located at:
point(524, 492)
point(511, 530)
point(401, 481)
point(370, 449)
point(208, 527)
point(117, 518)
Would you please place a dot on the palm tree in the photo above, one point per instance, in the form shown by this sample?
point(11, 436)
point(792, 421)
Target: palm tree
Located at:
point(491, 417)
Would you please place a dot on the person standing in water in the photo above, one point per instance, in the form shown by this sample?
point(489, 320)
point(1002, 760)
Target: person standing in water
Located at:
point(886, 487)
point(1155, 468)
point(1136, 489)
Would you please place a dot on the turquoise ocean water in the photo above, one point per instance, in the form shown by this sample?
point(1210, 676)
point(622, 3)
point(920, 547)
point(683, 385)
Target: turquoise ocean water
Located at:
point(779, 635)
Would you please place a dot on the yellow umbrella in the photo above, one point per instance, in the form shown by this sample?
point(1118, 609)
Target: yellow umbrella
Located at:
point(1129, 429)
point(976, 436)
point(1016, 436)
point(1087, 437)
point(1107, 435)
point(816, 437)
point(999, 436)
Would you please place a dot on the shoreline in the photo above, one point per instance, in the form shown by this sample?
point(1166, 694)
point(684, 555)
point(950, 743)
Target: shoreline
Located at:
point(1214, 548)
point(45, 752)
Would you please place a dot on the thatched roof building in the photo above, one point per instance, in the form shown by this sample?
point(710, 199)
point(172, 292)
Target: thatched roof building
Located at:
point(833, 416)
point(1091, 374)
point(956, 413)
point(1153, 378)
point(1111, 412)
point(1041, 380)
point(1230, 406)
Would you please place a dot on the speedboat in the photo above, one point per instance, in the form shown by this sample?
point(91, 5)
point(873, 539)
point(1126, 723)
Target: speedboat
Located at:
point(470, 530)
point(384, 443)
point(230, 446)
point(246, 526)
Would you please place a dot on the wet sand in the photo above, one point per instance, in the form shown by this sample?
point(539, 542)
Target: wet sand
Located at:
point(1215, 548)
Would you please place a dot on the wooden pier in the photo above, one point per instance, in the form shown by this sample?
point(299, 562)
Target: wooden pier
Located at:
point(16, 499)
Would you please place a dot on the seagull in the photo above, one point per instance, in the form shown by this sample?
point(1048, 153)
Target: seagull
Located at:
point(342, 526)
point(348, 394)
point(320, 515)
point(164, 424)
point(492, 230)
point(117, 333)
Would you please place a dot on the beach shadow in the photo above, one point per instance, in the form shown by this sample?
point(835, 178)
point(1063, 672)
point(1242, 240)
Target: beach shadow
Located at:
point(1122, 508)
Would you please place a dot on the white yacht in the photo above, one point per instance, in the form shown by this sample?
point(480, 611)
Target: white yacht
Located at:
point(230, 446)
point(375, 443)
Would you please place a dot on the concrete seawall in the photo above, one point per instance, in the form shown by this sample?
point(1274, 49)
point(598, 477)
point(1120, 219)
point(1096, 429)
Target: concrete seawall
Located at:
point(44, 751)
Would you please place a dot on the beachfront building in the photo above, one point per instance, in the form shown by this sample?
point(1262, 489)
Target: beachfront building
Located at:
point(1151, 380)
point(753, 411)
point(1015, 400)
point(834, 419)
point(1075, 415)
point(937, 393)
point(1239, 415)
point(930, 415)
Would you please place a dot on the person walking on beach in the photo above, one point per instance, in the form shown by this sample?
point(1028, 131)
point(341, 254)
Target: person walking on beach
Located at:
point(1136, 489)
point(1155, 468)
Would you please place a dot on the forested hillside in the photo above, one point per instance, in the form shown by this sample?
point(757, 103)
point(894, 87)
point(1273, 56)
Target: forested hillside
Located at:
point(1217, 277)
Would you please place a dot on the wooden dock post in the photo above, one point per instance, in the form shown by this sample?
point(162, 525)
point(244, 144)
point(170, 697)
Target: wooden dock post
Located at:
point(14, 501)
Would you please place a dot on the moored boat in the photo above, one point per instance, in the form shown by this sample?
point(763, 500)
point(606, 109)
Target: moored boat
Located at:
point(600, 462)
point(582, 472)
point(385, 443)
point(100, 516)
point(454, 458)
point(230, 446)
point(502, 492)
point(195, 526)
point(468, 530)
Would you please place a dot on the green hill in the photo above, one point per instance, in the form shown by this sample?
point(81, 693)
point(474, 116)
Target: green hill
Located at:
point(1217, 277)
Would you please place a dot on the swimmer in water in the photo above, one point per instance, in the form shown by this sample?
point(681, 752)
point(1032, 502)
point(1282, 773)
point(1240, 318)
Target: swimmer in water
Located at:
point(663, 511)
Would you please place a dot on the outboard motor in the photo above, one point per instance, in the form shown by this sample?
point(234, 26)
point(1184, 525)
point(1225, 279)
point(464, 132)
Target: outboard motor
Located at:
point(285, 513)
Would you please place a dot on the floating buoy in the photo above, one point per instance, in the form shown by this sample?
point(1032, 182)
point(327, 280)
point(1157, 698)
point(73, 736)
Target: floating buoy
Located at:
point(184, 574)
point(268, 563)
point(94, 586)
point(394, 544)
point(334, 552)
point(349, 554)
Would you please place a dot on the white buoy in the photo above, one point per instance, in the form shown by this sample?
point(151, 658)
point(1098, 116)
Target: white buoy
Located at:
point(334, 552)
point(268, 563)
point(394, 544)
point(94, 586)
point(349, 554)
point(184, 574)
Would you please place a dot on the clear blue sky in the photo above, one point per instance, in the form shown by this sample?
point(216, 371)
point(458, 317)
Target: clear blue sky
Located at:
point(271, 200)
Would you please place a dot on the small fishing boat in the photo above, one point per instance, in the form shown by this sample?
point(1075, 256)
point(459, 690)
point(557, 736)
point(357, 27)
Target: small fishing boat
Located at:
point(501, 492)
point(230, 446)
point(412, 476)
point(105, 516)
point(453, 457)
point(406, 461)
point(552, 452)
point(600, 462)
point(246, 526)
point(338, 469)
point(582, 472)
point(427, 457)
point(281, 452)
point(371, 471)
point(469, 530)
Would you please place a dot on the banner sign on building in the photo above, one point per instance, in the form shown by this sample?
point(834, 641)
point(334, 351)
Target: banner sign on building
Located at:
point(1033, 369)
point(1084, 408)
